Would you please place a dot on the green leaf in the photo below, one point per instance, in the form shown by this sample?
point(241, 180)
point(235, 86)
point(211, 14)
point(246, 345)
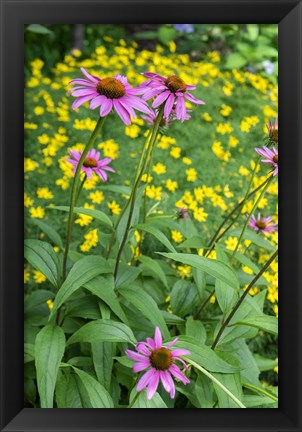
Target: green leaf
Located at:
point(124, 190)
point(126, 275)
point(143, 402)
point(253, 31)
point(68, 392)
point(204, 355)
point(194, 242)
point(255, 401)
point(157, 234)
point(265, 364)
point(43, 258)
point(98, 395)
point(147, 306)
point(146, 35)
point(184, 297)
point(29, 352)
point(196, 330)
point(102, 355)
point(84, 307)
point(35, 299)
point(49, 231)
point(226, 296)
point(81, 272)
point(103, 288)
point(233, 384)
point(38, 28)
point(103, 331)
point(155, 268)
point(96, 214)
point(215, 268)
point(253, 237)
point(49, 350)
point(263, 322)
point(135, 215)
point(235, 61)
point(166, 34)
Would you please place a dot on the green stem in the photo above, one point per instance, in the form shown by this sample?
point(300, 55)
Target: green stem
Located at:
point(250, 214)
point(204, 304)
point(239, 302)
point(134, 400)
point(136, 184)
point(74, 189)
point(218, 236)
point(215, 380)
point(80, 189)
point(112, 238)
point(260, 390)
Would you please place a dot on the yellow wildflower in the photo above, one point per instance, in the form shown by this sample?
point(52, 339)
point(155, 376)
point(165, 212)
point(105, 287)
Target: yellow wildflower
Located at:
point(37, 212)
point(38, 276)
point(177, 236)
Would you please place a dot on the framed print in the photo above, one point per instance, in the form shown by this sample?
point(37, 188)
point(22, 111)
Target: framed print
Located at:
point(151, 220)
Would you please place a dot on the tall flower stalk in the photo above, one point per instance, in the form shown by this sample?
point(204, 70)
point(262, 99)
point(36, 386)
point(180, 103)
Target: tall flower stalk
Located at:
point(75, 190)
point(139, 175)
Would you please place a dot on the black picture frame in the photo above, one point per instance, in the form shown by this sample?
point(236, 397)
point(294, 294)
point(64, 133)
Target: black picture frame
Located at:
point(14, 15)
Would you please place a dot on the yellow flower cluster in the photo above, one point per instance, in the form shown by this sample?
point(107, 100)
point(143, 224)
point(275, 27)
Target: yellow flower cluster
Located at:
point(91, 240)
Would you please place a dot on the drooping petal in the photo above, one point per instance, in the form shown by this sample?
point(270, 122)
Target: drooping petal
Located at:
point(138, 367)
point(160, 99)
point(144, 380)
point(193, 99)
point(175, 371)
point(153, 384)
point(102, 174)
point(164, 380)
point(168, 106)
point(123, 114)
point(80, 101)
point(88, 172)
point(84, 92)
point(106, 107)
point(97, 101)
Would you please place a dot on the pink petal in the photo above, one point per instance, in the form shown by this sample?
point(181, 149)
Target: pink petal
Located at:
point(128, 108)
point(144, 380)
point(82, 81)
point(171, 383)
point(90, 77)
point(161, 98)
point(172, 343)
point(137, 103)
point(153, 384)
point(179, 352)
point(193, 99)
point(164, 380)
point(106, 107)
point(135, 356)
point(169, 105)
point(138, 367)
point(86, 92)
point(151, 343)
point(102, 174)
point(97, 101)
point(142, 348)
point(123, 114)
point(158, 338)
point(80, 101)
point(175, 371)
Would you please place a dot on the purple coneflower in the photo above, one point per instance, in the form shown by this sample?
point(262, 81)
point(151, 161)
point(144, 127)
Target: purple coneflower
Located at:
point(160, 361)
point(92, 163)
point(262, 224)
point(273, 130)
point(108, 93)
point(171, 90)
point(271, 157)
